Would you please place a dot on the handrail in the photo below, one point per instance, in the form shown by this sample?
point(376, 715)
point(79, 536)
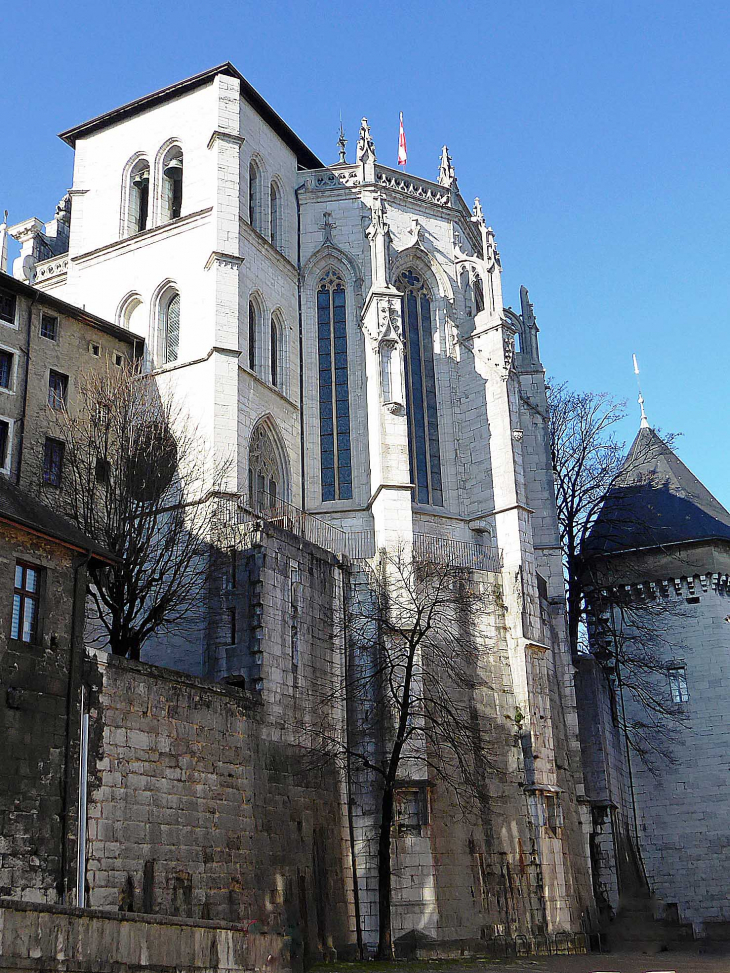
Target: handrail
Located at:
point(242, 510)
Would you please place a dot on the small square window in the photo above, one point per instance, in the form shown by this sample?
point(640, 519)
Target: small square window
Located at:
point(49, 327)
point(53, 462)
point(57, 390)
point(6, 370)
point(7, 307)
point(118, 359)
point(411, 809)
point(4, 444)
point(678, 684)
point(94, 349)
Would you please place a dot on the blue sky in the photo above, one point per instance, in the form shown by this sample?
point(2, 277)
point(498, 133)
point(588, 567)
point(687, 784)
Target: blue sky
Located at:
point(595, 133)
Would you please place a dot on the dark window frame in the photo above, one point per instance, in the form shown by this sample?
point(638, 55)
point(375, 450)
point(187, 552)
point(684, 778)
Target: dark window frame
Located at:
point(8, 307)
point(57, 389)
point(5, 353)
point(22, 597)
point(54, 328)
point(54, 451)
point(6, 426)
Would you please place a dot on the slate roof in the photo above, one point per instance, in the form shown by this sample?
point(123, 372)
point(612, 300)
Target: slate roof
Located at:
point(306, 158)
point(657, 502)
point(18, 507)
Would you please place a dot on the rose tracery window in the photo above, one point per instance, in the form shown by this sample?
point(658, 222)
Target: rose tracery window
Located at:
point(421, 404)
point(265, 478)
point(334, 396)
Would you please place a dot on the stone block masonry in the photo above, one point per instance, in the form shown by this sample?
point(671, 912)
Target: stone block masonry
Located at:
point(192, 812)
point(53, 938)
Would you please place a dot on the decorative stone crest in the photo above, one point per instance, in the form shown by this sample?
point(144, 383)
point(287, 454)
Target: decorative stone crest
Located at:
point(327, 226)
point(389, 325)
point(447, 175)
point(365, 144)
point(508, 343)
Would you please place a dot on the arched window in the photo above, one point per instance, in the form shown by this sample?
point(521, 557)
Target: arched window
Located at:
point(253, 333)
point(172, 184)
point(254, 195)
point(421, 405)
point(265, 475)
point(130, 314)
point(334, 397)
point(275, 216)
point(171, 329)
point(138, 197)
point(275, 350)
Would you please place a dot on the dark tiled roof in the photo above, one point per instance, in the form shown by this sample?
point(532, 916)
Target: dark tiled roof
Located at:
point(657, 502)
point(306, 158)
point(18, 507)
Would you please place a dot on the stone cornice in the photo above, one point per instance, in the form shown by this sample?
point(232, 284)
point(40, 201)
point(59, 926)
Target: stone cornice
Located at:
point(232, 137)
point(219, 256)
point(179, 225)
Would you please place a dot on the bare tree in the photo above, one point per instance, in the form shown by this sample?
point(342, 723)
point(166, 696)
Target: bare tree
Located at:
point(416, 637)
point(136, 478)
point(630, 623)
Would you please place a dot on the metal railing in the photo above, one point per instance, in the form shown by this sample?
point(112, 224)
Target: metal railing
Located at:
point(446, 550)
point(245, 511)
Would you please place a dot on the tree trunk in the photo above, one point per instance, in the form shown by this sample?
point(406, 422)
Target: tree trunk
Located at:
point(385, 935)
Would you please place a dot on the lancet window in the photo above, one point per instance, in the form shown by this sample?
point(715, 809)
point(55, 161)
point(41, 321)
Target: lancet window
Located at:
point(265, 478)
point(171, 329)
point(334, 396)
point(421, 403)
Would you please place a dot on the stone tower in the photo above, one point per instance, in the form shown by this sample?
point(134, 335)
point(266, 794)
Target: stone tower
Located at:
point(661, 547)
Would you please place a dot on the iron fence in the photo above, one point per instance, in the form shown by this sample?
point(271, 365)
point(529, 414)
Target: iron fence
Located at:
point(245, 511)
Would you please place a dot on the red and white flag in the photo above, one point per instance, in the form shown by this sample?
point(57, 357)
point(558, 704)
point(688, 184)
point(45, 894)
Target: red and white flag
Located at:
point(402, 154)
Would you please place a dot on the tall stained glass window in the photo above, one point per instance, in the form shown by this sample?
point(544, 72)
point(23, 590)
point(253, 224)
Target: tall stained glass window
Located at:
point(334, 397)
point(421, 405)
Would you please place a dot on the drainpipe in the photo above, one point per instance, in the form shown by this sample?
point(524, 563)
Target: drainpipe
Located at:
point(345, 578)
point(26, 382)
point(74, 653)
point(301, 345)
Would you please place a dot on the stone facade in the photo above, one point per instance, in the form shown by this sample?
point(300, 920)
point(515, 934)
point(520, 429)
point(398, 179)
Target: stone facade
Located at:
point(43, 334)
point(340, 333)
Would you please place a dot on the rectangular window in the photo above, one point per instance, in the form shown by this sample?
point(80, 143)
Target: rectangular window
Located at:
point(26, 603)
point(57, 390)
point(678, 684)
point(411, 809)
point(49, 327)
point(4, 444)
point(94, 349)
point(101, 470)
point(7, 307)
point(53, 462)
point(6, 370)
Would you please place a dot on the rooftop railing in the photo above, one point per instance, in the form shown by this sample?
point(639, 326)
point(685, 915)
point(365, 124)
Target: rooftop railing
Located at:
point(246, 511)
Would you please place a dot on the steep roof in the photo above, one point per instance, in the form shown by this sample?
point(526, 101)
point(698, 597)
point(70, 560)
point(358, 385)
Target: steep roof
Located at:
point(656, 502)
point(20, 508)
point(306, 158)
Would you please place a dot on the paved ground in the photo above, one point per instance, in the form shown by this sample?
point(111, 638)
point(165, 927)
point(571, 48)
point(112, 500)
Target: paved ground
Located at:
point(615, 963)
point(592, 963)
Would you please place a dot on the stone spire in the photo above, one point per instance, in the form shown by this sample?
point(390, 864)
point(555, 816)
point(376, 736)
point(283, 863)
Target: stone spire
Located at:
point(478, 215)
point(447, 175)
point(341, 144)
point(365, 144)
point(644, 420)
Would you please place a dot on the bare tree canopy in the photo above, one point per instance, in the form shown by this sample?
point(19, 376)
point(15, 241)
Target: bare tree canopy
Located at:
point(416, 637)
point(135, 478)
point(606, 500)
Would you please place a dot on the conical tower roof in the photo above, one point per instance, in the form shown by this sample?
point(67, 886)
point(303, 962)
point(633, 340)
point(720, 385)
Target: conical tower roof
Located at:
point(657, 501)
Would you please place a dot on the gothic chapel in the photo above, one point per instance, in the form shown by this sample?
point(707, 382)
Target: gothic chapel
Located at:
point(339, 331)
